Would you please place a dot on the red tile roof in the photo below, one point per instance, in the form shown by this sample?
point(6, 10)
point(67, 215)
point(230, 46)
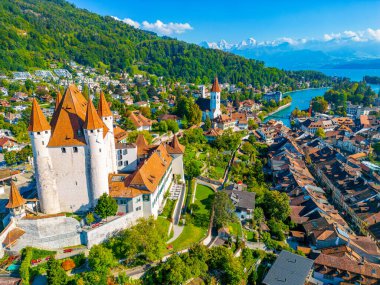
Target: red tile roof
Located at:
point(215, 85)
point(103, 107)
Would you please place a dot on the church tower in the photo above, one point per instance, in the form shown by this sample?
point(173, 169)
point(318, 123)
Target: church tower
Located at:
point(96, 152)
point(105, 114)
point(215, 99)
point(40, 133)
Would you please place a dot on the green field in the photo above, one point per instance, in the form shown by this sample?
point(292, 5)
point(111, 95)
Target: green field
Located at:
point(196, 230)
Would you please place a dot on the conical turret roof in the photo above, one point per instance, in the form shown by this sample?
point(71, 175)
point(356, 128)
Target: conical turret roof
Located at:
point(38, 122)
point(103, 107)
point(174, 147)
point(15, 198)
point(93, 121)
point(58, 100)
point(215, 85)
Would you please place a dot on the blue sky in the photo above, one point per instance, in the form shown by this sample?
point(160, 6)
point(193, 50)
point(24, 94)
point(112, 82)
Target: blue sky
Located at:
point(196, 21)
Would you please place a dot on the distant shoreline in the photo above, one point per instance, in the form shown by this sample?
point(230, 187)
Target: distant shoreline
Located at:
point(278, 109)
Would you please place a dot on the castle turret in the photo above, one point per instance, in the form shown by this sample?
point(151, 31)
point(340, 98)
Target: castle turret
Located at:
point(58, 100)
point(215, 99)
point(16, 203)
point(40, 133)
point(95, 132)
point(105, 114)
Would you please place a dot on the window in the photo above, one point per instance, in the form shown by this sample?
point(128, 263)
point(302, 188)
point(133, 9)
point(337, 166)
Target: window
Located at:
point(63, 149)
point(100, 150)
point(146, 197)
point(138, 208)
point(125, 151)
point(46, 132)
point(92, 131)
point(43, 143)
point(75, 149)
point(120, 163)
point(126, 163)
point(38, 133)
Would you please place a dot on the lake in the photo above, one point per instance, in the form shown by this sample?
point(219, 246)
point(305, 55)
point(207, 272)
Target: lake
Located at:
point(302, 98)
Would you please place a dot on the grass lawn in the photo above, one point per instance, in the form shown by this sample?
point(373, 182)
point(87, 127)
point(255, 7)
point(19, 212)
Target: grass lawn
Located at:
point(235, 229)
point(197, 230)
point(164, 223)
point(168, 209)
point(191, 234)
point(249, 235)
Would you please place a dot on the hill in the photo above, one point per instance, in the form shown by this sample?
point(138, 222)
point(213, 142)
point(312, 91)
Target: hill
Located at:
point(35, 33)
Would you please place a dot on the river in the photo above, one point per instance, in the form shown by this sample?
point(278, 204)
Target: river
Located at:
point(302, 98)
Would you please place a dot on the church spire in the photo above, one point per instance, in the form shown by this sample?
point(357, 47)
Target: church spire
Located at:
point(38, 122)
point(103, 107)
point(92, 122)
point(215, 85)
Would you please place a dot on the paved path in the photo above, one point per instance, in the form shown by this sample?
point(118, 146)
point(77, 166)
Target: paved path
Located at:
point(177, 232)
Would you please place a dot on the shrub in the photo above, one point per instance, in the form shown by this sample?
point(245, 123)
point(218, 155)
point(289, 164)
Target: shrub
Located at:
point(68, 264)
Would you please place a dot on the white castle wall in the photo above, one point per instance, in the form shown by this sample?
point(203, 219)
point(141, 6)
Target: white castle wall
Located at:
point(46, 187)
point(215, 104)
point(109, 142)
point(97, 153)
point(72, 179)
point(104, 232)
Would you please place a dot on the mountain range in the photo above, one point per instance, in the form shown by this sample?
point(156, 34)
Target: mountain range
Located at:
point(346, 50)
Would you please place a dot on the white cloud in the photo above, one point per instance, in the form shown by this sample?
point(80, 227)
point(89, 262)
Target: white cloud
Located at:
point(166, 29)
point(332, 36)
point(131, 23)
point(374, 34)
point(159, 27)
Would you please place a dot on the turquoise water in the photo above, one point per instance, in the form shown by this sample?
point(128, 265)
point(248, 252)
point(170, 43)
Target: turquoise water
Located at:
point(13, 267)
point(353, 74)
point(300, 99)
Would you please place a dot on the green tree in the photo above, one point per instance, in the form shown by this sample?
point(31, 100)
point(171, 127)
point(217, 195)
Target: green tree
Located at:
point(55, 273)
point(320, 133)
point(172, 126)
point(90, 218)
point(207, 124)
point(106, 206)
point(275, 205)
point(224, 210)
point(101, 259)
point(192, 169)
point(320, 105)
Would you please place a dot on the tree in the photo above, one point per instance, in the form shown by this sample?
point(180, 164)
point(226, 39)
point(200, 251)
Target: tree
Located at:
point(192, 169)
point(224, 210)
point(376, 148)
point(275, 205)
point(127, 124)
point(207, 124)
point(55, 273)
point(320, 133)
point(172, 126)
point(106, 206)
point(145, 111)
point(101, 259)
point(258, 215)
point(319, 104)
point(68, 264)
point(132, 136)
point(90, 218)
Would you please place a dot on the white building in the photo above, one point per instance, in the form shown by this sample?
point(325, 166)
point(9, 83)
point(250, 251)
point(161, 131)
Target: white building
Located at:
point(73, 154)
point(211, 107)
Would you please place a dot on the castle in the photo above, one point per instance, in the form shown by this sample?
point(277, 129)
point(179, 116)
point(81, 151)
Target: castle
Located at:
point(76, 159)
point(211, 107)
point(78, 156)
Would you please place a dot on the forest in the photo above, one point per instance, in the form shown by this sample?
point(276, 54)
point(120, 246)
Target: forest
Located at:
point(38, 33)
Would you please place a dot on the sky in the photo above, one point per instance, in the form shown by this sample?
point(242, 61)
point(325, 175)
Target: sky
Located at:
point(265, 20)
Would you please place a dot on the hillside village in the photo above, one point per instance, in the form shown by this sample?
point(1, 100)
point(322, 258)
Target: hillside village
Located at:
point(180, 158)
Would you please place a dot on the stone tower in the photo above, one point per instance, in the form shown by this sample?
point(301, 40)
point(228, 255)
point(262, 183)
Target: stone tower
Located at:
point(40, 133)
point(105, 114)
point(215, 100)
point(96, 152)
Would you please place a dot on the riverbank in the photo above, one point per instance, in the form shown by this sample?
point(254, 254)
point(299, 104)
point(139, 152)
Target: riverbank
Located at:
point(278, 109)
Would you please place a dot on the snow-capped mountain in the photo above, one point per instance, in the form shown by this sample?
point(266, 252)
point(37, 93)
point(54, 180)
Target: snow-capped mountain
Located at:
point(333, 50)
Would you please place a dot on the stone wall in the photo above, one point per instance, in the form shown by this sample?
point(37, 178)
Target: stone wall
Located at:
point(107, 230)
